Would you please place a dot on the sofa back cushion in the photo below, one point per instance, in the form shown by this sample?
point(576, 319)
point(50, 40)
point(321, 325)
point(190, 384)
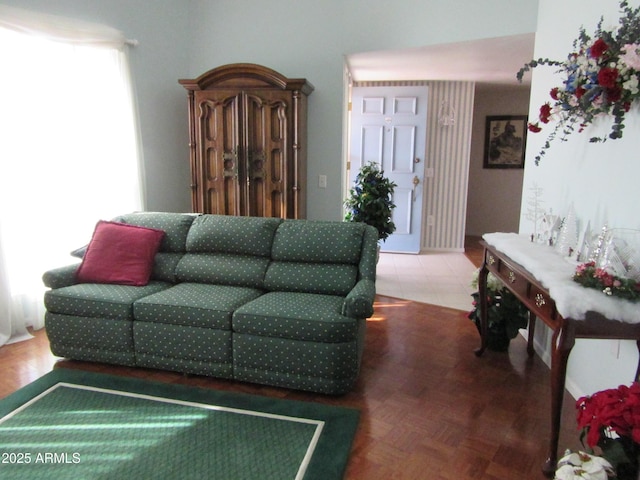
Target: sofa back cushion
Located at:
point(315, 257)
point(175, 226)
point(318, 242)
point(229, 234)
point(164, 266)
point(223, 269)
point(323, 278)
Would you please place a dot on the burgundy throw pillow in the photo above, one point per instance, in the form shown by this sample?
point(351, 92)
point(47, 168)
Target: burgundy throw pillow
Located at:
point(120, 253)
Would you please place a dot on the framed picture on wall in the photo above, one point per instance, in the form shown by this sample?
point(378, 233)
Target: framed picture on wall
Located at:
point(505, 140)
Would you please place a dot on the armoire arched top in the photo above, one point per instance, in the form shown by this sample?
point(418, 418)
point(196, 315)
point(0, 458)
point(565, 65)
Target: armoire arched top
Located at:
point(246, 75)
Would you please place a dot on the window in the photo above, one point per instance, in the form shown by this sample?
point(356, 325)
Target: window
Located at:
point(68, 157)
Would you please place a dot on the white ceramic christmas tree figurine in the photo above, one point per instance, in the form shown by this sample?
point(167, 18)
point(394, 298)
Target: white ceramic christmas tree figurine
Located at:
point(534, 212)
point(568, 238)
point(599, 244)
point(585, 244)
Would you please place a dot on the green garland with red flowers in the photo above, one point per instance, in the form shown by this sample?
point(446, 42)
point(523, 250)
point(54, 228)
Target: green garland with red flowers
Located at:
point(589, 275)
point(602, 77)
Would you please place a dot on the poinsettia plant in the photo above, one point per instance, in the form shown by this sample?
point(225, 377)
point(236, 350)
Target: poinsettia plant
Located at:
point(601, 77)
point(506, 315)
point(610, 421)
point(583, 466)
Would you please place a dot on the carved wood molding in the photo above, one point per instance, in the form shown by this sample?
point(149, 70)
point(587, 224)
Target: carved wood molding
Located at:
point(248, 75)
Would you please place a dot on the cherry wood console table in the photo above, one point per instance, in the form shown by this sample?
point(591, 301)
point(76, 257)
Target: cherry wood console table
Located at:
point(531, 292)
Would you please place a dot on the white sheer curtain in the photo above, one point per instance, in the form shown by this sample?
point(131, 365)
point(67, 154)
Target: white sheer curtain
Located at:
point(68, 150)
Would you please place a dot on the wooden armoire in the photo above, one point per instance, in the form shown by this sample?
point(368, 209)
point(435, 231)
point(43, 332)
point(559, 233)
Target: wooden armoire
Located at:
point(247, 128)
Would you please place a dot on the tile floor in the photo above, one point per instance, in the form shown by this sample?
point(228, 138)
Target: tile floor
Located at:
point(437, 278)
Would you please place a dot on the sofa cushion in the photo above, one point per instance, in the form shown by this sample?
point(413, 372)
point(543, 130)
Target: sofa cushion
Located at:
point(330, 368)
point(95, 339)
point(230, 234)
point(194, 304)
point(296, 316)
point(323, 278)
point(318, 241)
point(120, 253)
point(222, 268)
point(165, 266)
point(203, 351)
point(164, 269)
point(99, 300)
point(175, 225)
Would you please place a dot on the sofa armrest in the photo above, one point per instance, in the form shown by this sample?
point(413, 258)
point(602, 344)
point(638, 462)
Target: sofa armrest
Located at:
point(359, 301)
point(61, 276)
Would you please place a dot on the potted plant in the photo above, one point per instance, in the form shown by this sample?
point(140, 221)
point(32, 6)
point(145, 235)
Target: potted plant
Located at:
point(610, 421)
point(505, 313)
point(370, 200)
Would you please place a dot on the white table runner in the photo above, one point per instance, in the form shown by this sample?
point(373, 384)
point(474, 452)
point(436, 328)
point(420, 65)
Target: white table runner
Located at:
point(555, 273)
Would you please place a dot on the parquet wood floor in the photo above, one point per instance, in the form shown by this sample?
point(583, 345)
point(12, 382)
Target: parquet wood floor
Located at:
point(430, 409)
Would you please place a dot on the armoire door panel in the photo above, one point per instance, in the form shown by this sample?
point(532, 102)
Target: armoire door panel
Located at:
point(266, 134)
point(277, 165)
point(218, 130)
point(277, 203)
point(254, 136)
point(230, 197)
point(208, 152)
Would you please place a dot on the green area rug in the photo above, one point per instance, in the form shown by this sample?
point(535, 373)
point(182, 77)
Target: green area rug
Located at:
point(79, 425)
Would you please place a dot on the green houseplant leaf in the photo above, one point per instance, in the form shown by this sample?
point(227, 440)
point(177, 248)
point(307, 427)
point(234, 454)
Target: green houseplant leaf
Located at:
point(370, 200)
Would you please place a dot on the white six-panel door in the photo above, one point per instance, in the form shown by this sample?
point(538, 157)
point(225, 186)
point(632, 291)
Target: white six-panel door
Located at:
point(388, 126)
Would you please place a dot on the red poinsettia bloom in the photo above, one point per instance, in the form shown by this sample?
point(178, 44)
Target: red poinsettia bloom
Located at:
point(545, 113)
point(617, 409)
point(614, 94)
point(598, 48)
point(605, 277)
point(535, 128)
point(580, 269)
point(607, 77)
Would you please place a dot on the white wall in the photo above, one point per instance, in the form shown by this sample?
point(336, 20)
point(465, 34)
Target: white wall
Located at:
point(162, 28)
point(298, 38)
point(309, 39)
point(600, 179)
point(493, 203)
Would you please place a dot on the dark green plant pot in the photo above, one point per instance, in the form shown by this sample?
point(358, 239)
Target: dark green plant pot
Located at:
point(497, 338)
point(505, 315)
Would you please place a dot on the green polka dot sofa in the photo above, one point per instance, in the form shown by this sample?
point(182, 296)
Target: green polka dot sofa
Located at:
point(262, 300)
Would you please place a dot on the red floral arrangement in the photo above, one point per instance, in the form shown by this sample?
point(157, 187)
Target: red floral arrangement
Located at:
point(602, 78)
point(588, 275)
point(610, 420)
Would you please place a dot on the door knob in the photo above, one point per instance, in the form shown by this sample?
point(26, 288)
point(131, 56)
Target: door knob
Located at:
point(415, 182)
